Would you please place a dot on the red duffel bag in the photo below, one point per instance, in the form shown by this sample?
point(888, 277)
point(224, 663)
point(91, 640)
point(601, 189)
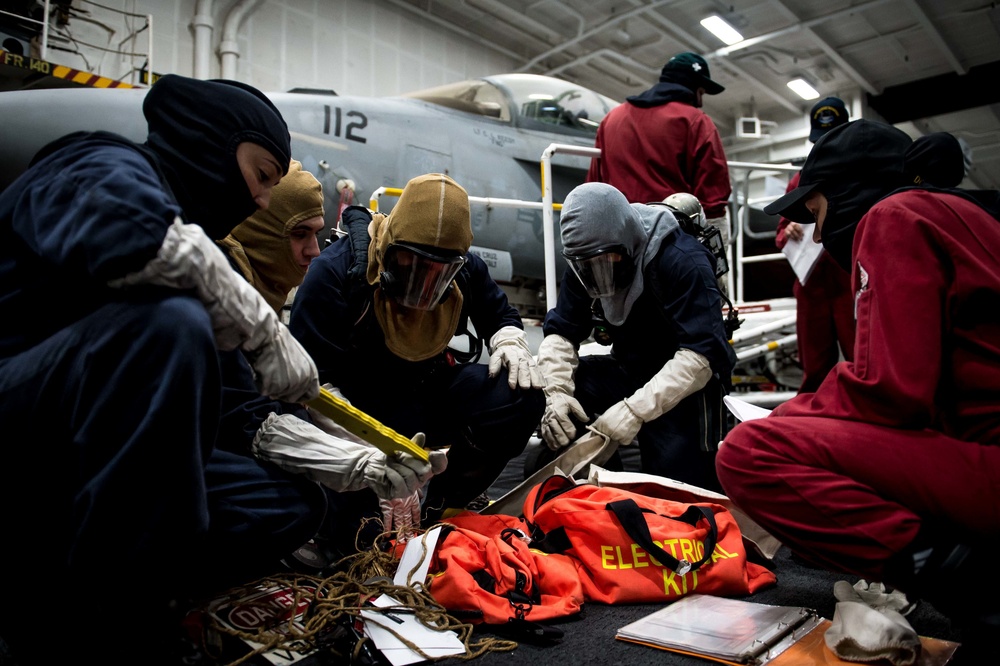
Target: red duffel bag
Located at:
point(633, 548)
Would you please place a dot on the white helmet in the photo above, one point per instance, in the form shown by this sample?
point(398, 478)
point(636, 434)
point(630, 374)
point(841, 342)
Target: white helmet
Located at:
point(687, 204)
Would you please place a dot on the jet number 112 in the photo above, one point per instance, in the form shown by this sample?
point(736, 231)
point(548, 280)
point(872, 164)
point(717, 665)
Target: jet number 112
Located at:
point(356, 121)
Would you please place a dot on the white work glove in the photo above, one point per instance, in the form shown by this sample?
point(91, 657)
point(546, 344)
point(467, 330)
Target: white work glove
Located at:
point(618, 423)
point(679, 377)
point(336, 392)
point(558, 430)
point(339, 464)
point(331, 427)
point(188, 259)
point(557, 361)
point(873, 595)
point(509, 347)
point(861, 633)
point(402, 514)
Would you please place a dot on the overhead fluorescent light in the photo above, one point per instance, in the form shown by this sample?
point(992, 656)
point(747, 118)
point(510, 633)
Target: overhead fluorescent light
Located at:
point(718, 26)
point(803, 89)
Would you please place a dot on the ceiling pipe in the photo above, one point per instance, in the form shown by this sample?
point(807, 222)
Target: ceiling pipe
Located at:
point(229, 48)
point(202, 25)
point(856, 76)
point(580, 21)
point(499, 11)
point(451, 27)
point(831, 53)
point(603, 53)
point(770, 36)
point(593, 31)
point(643, 9)
point(936, 37)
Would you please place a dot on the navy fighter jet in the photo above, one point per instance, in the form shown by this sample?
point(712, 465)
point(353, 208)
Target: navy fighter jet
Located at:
point(489, 134)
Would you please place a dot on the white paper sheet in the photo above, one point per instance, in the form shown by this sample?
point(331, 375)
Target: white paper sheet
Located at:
point(743, 410)
point(413, 565)
point(433, 643)
point(417, 554)
point(803, 254)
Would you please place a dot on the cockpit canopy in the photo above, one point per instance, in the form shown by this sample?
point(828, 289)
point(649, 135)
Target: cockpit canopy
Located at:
point(529, 101)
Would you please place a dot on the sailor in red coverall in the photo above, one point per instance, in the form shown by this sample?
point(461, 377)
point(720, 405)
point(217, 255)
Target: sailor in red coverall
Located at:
point(824, 310)
point(660, 143)
point(891, 469)
point(824, 305)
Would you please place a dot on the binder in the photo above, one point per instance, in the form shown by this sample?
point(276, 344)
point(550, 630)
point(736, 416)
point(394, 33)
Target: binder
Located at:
point(745, 633)
point(382, 437)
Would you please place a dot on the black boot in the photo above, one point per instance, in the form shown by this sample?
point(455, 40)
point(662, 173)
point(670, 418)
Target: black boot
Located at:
point(943, 574)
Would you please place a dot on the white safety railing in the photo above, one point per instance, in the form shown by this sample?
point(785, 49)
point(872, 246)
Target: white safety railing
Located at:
point(548, 214)
point(99, 25)
point(743, 219)
point(736, 276)
point(750, 343)
point(489, 202)
point(743, 335)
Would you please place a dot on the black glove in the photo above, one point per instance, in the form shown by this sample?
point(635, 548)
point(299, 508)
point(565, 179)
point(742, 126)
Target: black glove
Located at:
point(356, 220)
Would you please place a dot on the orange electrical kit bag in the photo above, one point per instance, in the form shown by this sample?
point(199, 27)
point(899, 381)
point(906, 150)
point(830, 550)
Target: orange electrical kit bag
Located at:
point(485, 572)
point(633, 548)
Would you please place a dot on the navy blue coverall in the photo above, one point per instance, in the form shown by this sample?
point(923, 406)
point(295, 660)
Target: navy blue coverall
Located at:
point(680, 307)
point(483, 420)
point(113, 480)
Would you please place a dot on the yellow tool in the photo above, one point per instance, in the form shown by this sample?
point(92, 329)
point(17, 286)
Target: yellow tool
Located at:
point(384, 438)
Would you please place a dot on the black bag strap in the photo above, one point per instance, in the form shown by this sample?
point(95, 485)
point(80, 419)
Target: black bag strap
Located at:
point(632, 519)
point(634, 523)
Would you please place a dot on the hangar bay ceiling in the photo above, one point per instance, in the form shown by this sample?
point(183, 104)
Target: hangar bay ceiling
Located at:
point(925, 65)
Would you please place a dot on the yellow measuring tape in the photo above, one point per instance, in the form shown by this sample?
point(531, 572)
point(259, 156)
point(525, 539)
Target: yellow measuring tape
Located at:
point(384, 438)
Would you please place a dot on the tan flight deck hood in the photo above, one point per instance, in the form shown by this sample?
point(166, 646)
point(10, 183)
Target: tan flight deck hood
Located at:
point(433, 210)
point(260, 245)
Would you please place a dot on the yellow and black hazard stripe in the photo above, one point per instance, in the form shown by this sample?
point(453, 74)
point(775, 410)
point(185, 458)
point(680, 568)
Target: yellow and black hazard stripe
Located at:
point(44, 68)
point(87, 79)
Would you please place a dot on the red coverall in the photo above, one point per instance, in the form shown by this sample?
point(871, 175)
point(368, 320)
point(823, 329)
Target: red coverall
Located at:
point(908, 430)
point(824, 313)
point(651, 153)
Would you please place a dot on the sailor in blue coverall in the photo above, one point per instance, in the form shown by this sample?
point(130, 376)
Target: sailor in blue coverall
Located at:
point(115, 301)
point(378, 310)
point(647, 288)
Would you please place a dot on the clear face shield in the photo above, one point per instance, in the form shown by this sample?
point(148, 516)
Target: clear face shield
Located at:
point(415, 277)
point(604, 272)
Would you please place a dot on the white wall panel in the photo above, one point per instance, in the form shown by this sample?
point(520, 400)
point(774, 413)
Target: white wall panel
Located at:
point(355, 47)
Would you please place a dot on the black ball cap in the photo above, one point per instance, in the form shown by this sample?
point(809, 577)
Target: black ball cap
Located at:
point(691, 68)
point(862, 151)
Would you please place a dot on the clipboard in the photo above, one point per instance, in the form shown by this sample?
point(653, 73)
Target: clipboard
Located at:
point(382, 437)
point(737, 632)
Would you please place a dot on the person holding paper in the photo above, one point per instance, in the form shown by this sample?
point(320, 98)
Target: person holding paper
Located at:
point(824, 303)
point(891, 470)
point(639, 283)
